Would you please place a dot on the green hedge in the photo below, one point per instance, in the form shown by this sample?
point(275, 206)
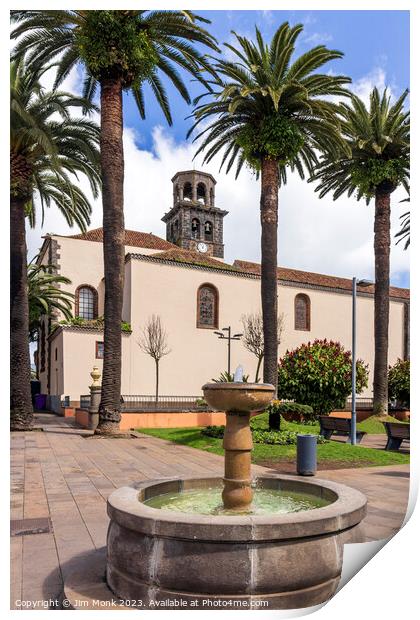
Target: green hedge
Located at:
point(280, 438)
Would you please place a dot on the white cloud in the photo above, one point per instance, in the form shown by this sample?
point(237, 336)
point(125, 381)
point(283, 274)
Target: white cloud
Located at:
point(318, 38)
point(364, 86)
point(315, 235)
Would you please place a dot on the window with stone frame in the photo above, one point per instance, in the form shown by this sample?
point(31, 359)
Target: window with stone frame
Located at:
point(99, 350)
point(86, 302)
point(208, 307)
point(43, 347)
point(302, 312)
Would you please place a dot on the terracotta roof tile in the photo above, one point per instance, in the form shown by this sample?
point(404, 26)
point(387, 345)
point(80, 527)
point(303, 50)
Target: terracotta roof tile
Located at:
point(133, 238)
point(177, 254)
point(318, 279)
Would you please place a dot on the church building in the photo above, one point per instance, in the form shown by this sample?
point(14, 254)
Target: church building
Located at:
point(184, 280)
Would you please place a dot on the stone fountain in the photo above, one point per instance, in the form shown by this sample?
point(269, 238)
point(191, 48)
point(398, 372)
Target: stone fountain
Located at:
point(280, 552)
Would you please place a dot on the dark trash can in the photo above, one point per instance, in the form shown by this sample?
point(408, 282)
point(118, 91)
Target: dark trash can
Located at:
point(35, 389)
point(40, 401)
point(306, 455)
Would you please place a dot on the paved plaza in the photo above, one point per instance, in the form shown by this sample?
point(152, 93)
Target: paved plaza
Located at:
point(61, 478)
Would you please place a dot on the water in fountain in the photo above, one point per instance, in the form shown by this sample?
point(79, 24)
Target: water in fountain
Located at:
point(207, 501)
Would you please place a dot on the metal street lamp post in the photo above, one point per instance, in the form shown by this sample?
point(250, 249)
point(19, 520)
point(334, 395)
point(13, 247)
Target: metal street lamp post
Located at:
point(355, 284)
point(229, 338)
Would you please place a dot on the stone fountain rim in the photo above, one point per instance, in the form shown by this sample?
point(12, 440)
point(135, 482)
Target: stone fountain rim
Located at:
point(125, 508)
point(235, 385)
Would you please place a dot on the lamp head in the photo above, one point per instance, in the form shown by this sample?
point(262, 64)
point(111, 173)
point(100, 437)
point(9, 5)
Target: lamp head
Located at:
point(364, 283)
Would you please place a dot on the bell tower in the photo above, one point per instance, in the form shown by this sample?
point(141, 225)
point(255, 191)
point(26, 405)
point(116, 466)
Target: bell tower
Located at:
point(194, 222)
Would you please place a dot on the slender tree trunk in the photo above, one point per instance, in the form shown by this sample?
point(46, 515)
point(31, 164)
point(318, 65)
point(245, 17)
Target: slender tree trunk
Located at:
point(382, 244)
point(257, 372)
point(112, 169)
point(269, 221)
point(157, 381)
point(21, 412)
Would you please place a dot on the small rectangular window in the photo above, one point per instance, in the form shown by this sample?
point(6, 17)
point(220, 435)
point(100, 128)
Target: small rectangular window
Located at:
point(99, 350)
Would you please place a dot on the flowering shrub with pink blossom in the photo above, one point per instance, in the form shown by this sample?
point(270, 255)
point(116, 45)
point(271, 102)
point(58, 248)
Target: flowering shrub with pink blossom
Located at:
point(319, 374)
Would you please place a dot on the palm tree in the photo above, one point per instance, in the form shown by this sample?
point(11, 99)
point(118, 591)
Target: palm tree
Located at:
point(404, 232)
point(272, 113)
point(45, 297)
point(378, 140)
point(120, 50)
point(48, 148)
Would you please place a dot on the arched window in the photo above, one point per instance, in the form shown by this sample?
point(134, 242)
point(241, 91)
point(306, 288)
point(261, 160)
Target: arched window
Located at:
point(195, 228)
point(86, 306)
point(201, 193)
point(187, 191)
point(208, 307)
point(302, 312)
point(208, 231)
point(176, 230)
point(211, 197)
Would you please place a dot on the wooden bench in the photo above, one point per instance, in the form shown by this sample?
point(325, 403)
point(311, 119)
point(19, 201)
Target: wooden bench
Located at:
point(342, 426)
point(396, 433)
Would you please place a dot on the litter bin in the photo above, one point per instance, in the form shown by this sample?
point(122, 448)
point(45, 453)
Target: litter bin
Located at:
point(40, 401)
point(306, 455)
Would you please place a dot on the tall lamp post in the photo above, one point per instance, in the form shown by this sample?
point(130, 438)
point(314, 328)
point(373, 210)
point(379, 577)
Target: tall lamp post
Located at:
point(355, 284)
point(229, 338)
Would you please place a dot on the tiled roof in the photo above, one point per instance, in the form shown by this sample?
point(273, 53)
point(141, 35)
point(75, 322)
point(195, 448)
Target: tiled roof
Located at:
point(178, 255)
point(317, 279)
point(132, 237)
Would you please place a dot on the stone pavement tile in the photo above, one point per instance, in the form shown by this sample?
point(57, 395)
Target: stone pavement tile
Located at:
point(41, 570)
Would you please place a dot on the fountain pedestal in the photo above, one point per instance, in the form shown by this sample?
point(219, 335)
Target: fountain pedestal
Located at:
point(238, 400)
point(237, 442)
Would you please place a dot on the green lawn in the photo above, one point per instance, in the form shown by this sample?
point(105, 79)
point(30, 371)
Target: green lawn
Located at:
point(264, 454)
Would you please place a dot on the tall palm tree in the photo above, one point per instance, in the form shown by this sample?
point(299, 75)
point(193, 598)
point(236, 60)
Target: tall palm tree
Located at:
point(49, 149)
point(45, 296)
point(120, 50)
point(272, 112)
point(378, 140)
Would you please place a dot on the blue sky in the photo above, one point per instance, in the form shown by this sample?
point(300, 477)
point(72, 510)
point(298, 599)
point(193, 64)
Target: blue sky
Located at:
point(314, 235)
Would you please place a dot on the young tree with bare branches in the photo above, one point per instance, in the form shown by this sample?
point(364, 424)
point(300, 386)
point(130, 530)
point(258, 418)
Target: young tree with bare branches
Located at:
point(253, 336)
point(154, 342)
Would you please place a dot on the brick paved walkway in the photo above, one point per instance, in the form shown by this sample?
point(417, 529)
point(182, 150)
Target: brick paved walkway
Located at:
point(63, 474)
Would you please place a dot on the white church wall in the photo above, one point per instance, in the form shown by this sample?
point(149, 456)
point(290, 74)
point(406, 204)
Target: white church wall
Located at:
point(197, 355)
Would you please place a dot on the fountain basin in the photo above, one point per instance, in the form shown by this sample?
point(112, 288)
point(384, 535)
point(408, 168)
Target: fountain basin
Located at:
point(283, 560)
point(238, 396)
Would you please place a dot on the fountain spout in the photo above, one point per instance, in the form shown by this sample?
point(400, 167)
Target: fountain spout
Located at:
point(238, 377)
point(238, 399)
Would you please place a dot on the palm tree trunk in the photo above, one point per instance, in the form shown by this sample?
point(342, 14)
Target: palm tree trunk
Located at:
point(382, 244)
point(112, 170)
point(269, 220)
point(21, 412)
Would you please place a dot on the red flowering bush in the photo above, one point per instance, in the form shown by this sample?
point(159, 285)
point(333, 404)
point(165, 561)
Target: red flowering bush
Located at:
point(319, 374)
point(399, 382)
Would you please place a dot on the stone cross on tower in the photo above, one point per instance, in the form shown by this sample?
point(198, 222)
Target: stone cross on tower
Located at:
point(194, 222)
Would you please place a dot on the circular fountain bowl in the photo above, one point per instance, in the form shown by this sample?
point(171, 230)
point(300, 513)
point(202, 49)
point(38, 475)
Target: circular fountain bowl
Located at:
point(238, 396)
point(276, 561)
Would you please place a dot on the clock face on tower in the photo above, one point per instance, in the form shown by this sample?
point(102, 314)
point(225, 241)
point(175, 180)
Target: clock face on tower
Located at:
point(202, 247)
